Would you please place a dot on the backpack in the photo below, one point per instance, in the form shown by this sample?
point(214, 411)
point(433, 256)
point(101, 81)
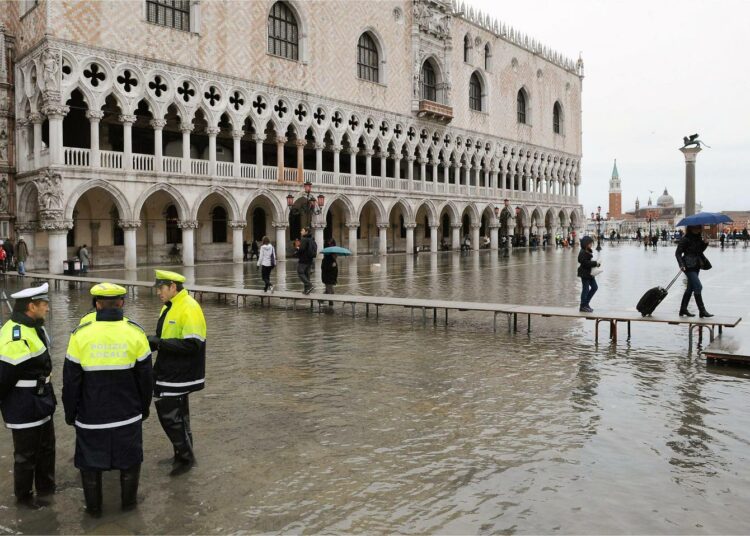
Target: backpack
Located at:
point(313, 248)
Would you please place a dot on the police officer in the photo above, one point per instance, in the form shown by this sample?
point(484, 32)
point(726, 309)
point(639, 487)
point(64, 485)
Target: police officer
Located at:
point(26, 397)
point(107, 380)
point(180, 366)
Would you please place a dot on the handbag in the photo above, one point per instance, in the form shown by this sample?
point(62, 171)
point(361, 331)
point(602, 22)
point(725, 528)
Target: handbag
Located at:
point(596, 271)
point(273, 257)
point(704, 263)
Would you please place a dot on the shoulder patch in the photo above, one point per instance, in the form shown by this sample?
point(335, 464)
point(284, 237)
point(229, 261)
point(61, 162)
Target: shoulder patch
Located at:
point(81, 326)
point(16, 332)
point(136, 324)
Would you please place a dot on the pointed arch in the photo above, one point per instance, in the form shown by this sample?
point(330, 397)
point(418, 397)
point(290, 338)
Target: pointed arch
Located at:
point(183, 209)
point(234, 209)
point(432, 213)
point(450, 206)
point(122, 203)
point(279, 214)
point(350, 210)
point(382, 215)
point(405, 209)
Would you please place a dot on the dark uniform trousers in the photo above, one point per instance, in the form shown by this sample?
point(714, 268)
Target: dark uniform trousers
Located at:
point(34, 459)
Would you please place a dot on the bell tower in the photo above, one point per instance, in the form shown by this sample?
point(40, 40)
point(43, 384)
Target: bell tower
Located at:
point(615, 194)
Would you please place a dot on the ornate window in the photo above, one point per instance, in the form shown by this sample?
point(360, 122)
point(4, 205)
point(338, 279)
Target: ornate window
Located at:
point(171, 13)
point(557, 118)
point(475, 93)
point(367, 58)
point(429, 82)
point(283, 32)
point(467, 48)
point(174, 233)
point(219, 224)
point(521, 106)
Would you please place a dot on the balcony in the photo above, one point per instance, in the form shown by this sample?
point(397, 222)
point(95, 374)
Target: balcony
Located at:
point(435, 111)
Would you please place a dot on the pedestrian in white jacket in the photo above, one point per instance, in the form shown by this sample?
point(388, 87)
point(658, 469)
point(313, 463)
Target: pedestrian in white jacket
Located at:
point(267, 262)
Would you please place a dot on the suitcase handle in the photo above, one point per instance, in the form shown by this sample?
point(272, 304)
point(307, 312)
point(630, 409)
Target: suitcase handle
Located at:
point(673, 280)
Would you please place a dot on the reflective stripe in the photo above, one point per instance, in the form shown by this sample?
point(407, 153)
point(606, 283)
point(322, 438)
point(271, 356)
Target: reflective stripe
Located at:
point(145, 356)
point(27, 424)
point(29, 383)
point(173, 394)
point(28, 356)
point(73, 359)
point(108, 367)
point(195, 336)
point(180, 384)
point(109, 424)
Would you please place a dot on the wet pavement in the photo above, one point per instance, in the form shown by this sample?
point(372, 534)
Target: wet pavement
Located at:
point(327, 423)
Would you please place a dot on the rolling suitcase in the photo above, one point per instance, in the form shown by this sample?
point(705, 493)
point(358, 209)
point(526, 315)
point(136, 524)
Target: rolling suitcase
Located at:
point(653, 297)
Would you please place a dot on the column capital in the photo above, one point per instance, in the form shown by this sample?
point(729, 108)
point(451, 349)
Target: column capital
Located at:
point(352, 225)
point(383, 154)
point(318, 225)
point(476, 226)
point(456, 225)
point(352, 150)
point(369, 153)
point(383, 225)
point(410, 225)
point(94, 115)
point(212, 131)
point(259, 137)
point(319, 146)
point(434, 226)
point(457, 165)
point(493, 223)
point(187, 224)
point(56, 111)
point(36, 118)
point(422, 160)
point(237, 224)
point(56, 226)
point(158, 124)
point(186, 128)
point(336, 148)
point(237, 133)
point(127, 119)
point(411, 158)
point(281, 139)
point(299, 142)
point(397, 156)
point(279, 224)
point(690, 153)
point(25, 227)
point(129, 224)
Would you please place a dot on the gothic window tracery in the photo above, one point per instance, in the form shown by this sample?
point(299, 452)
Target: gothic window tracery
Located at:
point(429, 82)
point(367, 58)
point(475, 93)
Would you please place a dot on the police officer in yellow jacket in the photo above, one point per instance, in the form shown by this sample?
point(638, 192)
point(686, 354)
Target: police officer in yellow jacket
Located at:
point(27, 401)
point(180, 366)
point(107, 379)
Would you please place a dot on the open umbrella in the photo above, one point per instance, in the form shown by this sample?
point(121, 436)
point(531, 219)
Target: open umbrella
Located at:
point(705, 218)
point(338, 250)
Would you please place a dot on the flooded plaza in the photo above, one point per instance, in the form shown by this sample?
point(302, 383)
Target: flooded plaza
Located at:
point(325, 423)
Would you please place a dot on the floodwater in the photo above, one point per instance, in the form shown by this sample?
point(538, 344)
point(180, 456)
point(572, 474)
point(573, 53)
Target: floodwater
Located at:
point(324, 423)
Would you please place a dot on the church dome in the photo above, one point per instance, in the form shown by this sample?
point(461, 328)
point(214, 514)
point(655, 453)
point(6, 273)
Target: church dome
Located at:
point(665, 200)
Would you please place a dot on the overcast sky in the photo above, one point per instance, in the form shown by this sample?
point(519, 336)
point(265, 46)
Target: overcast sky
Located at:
point(655, 71)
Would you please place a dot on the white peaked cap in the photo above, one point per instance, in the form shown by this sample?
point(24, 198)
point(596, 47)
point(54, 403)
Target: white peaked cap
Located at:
point(32, 293)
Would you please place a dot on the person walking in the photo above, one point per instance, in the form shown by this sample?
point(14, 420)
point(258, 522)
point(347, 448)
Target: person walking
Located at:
point(3, 258)
point(588, 281)
point(253, 249)
point(27, 400)
point(306, 252)
point(329, 273)
point(107, 382)
point(267, 262)
point(180, 367)
point(245, 250)
point(83, 256)
point(691, 259)
point(22, 253)
point(10, 252)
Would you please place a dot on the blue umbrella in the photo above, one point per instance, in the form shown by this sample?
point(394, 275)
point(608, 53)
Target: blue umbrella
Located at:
point(338, 250)
point(705, 218)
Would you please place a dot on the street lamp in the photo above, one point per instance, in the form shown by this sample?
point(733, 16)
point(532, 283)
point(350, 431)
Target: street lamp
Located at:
point(597, 217)
point(311, 205)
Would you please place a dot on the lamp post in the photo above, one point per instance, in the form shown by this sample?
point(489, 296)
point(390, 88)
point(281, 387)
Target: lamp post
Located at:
point(312, 205)
point(503, 216)
point(597, 217)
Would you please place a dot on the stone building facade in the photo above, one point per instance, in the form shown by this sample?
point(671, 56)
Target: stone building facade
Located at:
point(146, 127)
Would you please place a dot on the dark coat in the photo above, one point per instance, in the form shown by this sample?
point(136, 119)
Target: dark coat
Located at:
point(587, 262)
point(329, 269)
point(689, 252)
point(306, 252)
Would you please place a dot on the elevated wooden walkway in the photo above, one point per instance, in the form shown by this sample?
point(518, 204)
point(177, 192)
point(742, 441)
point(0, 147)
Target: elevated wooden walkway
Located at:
point(734, 347)
point(511, 311)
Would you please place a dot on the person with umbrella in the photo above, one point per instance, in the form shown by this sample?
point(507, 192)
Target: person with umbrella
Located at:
point(691, 259)
point(329, 267)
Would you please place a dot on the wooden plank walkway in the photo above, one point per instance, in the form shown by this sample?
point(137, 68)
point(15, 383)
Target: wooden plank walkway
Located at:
point(734, 347)
point(511, 311)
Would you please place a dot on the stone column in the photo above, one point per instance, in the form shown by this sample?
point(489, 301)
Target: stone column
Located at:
point(410, 171)
point(280, 240)
point(433, 238)
point(422, 170)
point(37, 120)
point(130, 228)
point(186, 129)
point(494, 240)
point(55, 115)
point(301, 160)
point(22, 136)
point(158, 126)
point(352, 239)
point(467, 174)
point(691, 154)
point(383, 155)
point(368, 162)
point(487, 182)
point(236, 152)
point(188, 241)
point(383, 238)
point(319, 161)
point(336, 162)
point(57, 239)
point(280, 141)
point(475, 236)
point(410, 237)
point(353, 162)
point(446, 174)
point(434, 164)
point(212, 133)
point(456, 236)
point(397, 167)
point(127, 121)
point(94, 116)
point(527, 234)
point(318, 228)
point(237, 235)
point(259, 139)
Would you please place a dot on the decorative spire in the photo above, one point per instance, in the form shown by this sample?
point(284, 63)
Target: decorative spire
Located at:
point(615, 174)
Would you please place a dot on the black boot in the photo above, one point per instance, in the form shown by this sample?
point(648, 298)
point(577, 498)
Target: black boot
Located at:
point(684, 305)
point(44, 473)
point(129, 487)
point(701, 308)
point(92, 491)
point(172, 418)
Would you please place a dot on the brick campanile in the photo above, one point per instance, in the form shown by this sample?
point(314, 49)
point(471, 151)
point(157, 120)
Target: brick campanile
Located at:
point(615, 194)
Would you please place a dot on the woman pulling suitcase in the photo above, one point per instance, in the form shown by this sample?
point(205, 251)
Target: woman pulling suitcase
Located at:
point(691, 259)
